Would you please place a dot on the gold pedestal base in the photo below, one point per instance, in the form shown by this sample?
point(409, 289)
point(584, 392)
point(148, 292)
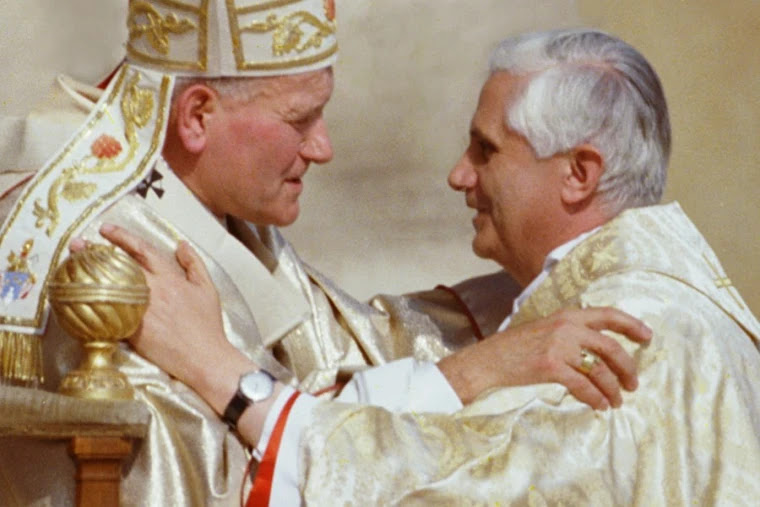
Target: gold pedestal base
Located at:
point(99, 296)
point(97, 378)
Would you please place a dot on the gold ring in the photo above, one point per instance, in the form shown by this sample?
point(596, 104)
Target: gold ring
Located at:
point(588, 361)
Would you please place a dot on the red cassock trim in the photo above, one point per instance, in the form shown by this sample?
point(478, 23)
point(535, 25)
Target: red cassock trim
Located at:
point(104, 84)
point(262, 485)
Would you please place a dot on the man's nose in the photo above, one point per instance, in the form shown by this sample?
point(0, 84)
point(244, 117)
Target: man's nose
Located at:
point(317, 146)
point(463, 175)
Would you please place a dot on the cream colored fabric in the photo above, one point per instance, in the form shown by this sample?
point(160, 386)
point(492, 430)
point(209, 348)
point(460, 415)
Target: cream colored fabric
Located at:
point(271, 301)
point(689, 435)
point(26, 142)
point(431, 324)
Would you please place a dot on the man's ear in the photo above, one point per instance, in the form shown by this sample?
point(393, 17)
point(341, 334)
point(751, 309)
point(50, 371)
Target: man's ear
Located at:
point(192, 112)
point(582, 174)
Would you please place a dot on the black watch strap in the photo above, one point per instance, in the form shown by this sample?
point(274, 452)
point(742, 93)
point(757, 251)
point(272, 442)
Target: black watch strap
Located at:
point(235, 409)
point(253, 387)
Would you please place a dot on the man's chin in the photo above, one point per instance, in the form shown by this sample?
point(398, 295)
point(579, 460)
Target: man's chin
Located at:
point(288, 217)
point(277, 218)
point(479, 249)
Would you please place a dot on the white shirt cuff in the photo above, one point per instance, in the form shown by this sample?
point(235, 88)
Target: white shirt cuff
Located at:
point(406, 385)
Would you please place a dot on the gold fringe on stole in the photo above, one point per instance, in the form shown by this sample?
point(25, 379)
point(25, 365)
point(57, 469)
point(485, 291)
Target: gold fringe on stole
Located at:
point(21, 358)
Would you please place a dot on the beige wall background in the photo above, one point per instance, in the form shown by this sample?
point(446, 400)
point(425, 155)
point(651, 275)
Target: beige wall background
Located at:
point(380, 217)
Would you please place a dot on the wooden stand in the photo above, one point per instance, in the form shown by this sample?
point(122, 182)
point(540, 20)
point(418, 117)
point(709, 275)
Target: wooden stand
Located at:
point(100, 435)
point(98, 475)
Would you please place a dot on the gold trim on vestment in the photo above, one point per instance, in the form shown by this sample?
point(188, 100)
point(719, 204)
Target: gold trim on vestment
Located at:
point(20, 357)
point(95, 205)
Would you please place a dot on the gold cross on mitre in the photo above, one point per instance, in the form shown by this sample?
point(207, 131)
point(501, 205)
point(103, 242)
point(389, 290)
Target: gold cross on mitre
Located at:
point(722, 281)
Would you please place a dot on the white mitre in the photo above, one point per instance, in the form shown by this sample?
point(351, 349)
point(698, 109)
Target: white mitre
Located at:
point(232, 37)
point(117, 145)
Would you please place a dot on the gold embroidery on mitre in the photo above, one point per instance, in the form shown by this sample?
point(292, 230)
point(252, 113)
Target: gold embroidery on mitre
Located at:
point(273, 4)
point(137, 108)
point(288, 34)
point(146, 21)
point(298, 38)
point(158, 28)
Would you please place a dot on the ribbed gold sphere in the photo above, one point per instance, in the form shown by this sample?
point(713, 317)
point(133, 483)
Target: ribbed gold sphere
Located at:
point(99, 296)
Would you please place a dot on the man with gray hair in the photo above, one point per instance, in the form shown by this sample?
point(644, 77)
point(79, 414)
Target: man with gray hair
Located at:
point(565, 167)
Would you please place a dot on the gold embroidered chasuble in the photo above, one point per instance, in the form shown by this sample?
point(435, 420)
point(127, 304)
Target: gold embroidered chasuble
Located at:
point(273, 305)
point(689, 435)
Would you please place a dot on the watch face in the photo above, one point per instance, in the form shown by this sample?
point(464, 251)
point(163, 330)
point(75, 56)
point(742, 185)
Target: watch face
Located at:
point(257, 385)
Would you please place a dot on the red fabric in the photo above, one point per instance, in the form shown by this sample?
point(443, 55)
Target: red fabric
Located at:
point(14, 187)
point(104, 84)
point(262, 485)
point(334, 387)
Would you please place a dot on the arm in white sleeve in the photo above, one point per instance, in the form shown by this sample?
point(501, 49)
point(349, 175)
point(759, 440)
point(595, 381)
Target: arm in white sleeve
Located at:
point(406, 385)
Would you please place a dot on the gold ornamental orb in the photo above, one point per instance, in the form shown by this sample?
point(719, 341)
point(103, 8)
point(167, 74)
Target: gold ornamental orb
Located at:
point(99, 296)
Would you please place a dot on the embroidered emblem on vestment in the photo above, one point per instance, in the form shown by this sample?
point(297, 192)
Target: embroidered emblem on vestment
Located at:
point(17, 279)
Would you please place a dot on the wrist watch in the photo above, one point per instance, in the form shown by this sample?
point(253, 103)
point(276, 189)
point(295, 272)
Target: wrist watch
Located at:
point(253, 387)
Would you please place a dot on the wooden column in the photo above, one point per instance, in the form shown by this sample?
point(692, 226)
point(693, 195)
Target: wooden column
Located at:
point(98, 461)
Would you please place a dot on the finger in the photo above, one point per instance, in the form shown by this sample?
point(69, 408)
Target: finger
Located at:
point(606, 382)
point(617, 321)
point(583, 389)
point(615, 357)
point(138, 249)
point(77, 245)
point(193, 265)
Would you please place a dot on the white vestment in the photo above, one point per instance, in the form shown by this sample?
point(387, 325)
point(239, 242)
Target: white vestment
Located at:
point(690, 433)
